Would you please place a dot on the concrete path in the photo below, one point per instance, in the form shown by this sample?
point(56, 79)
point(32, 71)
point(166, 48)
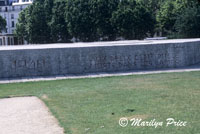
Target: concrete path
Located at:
point(97, 75)
point(26, 115)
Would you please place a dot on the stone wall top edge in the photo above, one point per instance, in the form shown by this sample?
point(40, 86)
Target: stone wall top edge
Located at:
point(100, 44)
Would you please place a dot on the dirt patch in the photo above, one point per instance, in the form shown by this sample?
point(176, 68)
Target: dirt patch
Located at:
point(74, 130)
point(144, 116)
point(45, 97)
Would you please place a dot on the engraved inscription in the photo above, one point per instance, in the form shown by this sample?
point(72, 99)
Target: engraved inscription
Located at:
point(38, 64)
point(134, 61)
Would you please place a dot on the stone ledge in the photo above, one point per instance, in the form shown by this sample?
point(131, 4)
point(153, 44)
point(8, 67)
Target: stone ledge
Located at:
point(98, 44)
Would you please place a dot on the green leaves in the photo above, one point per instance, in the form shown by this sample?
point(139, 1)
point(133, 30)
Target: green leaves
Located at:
point(132, 20)
point(58, 25)
point(188, 23)
point(58, 21)
point(179, 18)
point(33, 22)
point(49, 21)
point(103, 10)
point(2, 23)
point(166, 16)
point(80, 19)
point(95, 19)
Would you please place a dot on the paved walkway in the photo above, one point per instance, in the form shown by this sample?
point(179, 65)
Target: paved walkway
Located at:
point(26, 115)
point(97, 75)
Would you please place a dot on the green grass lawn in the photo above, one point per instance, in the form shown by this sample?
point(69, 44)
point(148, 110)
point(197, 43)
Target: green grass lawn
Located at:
point(95, 105)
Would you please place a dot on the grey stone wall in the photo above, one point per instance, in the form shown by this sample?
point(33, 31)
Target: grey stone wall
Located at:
point(49, 61)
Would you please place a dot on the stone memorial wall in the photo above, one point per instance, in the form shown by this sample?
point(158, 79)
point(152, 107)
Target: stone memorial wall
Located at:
point(80, 58)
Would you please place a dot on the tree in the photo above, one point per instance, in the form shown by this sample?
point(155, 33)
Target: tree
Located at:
point(91, 20)
point(174, 16)
point(132, 20)
point(103, 10)
point(33, 22)
point(2, 23)
point(80, 20)
point(37, 27)
point(20, 30)
point(48, 6)
point(166, 17)
point(188, 22)
point(152, 5)
point(58, 25)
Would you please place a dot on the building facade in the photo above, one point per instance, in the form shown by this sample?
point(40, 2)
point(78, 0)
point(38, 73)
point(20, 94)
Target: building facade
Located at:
point(9, 10)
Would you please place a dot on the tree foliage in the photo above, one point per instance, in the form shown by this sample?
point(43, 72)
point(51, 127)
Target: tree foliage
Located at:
point(33, 22)
point(132, 20)
point(103, 10)
point(2, 23)
point(179, 18)
point(21, 31)
point(48, 21)
point(166, 17)
point(188, 23)
point(58, 25)
point(80, 19)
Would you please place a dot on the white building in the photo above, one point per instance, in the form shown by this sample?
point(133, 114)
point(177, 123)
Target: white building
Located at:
point(9, 10)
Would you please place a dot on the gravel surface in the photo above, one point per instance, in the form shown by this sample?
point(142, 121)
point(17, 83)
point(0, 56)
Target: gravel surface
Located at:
point(26, 115)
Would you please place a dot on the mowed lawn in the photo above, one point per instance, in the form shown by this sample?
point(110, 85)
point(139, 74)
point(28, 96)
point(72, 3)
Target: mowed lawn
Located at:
point(95, 105)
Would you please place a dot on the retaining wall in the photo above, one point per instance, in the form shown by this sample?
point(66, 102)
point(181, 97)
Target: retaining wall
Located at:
point(80, 58)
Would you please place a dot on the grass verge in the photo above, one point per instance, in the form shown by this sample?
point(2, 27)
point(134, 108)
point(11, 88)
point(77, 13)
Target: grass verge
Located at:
point(95, 105)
